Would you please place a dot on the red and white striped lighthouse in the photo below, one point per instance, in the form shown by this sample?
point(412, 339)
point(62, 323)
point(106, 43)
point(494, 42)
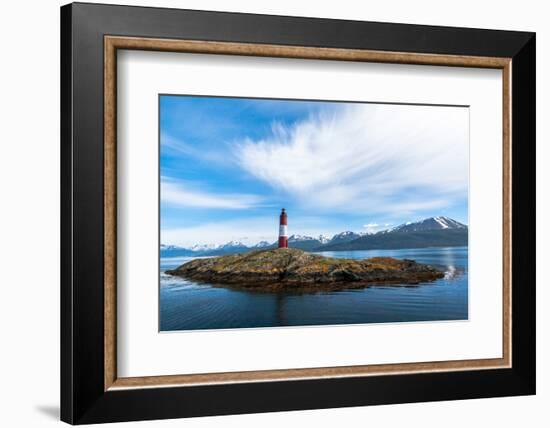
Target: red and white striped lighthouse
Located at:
point(283, 234)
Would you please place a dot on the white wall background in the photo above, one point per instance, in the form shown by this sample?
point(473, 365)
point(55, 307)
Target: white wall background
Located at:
point(29, 213)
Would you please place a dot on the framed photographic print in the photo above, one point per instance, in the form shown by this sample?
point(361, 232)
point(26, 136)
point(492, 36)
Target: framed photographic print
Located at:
point(266, 213)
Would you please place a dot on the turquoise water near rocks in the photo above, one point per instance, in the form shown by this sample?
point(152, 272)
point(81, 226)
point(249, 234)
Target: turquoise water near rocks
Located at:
point(185, 305)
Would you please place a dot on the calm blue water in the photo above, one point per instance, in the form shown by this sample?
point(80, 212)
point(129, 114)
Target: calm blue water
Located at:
point(185, 305)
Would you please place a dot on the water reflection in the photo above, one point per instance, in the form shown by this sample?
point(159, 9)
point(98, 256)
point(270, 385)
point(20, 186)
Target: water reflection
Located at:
point(186, 305)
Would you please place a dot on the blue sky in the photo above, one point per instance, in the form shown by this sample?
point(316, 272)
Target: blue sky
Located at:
point(228, 165)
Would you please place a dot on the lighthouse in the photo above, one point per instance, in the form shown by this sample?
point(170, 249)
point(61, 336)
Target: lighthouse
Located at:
point(283, 234)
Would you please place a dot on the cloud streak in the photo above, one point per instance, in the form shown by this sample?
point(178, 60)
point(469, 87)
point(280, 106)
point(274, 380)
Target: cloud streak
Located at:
point(180, 147)
point(183, 195)
point(378, 158)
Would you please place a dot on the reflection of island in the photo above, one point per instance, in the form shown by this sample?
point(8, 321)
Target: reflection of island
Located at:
point(289, 268)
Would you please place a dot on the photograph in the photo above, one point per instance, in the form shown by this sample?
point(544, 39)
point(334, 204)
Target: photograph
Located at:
point(292, 212)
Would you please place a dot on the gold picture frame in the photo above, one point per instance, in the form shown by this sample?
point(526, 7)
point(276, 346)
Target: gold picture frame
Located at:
point(114, 43)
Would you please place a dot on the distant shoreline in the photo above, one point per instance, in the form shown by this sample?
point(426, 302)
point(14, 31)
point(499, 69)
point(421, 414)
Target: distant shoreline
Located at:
point(431, 232)
point(188, 253)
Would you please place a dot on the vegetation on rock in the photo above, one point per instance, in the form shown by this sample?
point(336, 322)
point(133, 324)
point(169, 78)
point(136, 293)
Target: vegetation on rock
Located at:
point(290, 268)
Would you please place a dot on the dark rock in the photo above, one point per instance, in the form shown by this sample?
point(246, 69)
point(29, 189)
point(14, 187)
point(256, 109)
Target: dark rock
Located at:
point(289, 268)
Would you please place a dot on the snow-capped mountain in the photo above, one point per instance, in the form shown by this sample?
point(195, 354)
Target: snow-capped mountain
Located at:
point(211, 249)
point(231, 244)
point(323, 239)
point(432, 223)
point(304, 242)
point(175, 251)
point(164, 247)
point(203, 247)
point(346, 236)
point(433, 231)
point(430, 232)
point(300, 238)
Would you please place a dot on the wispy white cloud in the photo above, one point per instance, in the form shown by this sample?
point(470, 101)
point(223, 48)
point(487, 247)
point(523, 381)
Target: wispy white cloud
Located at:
point(181, 147)
point(181, 194)
point(377, 158)
point(368, 225)
point(375, 227)
point(371, 227)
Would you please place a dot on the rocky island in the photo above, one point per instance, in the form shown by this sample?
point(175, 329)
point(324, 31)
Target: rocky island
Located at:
point(294, 269)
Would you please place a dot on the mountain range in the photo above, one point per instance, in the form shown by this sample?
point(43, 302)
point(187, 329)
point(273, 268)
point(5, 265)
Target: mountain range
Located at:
point(431, 232)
